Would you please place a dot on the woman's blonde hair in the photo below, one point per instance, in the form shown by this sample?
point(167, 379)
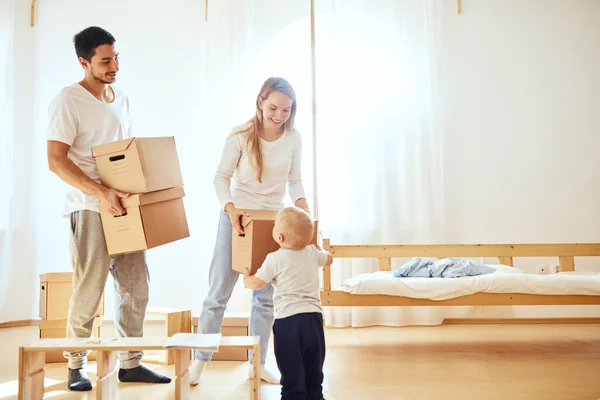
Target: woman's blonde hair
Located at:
point(254, 126)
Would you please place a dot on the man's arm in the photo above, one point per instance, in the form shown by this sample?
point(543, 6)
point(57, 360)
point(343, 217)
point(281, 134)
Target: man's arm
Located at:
point(65, 169)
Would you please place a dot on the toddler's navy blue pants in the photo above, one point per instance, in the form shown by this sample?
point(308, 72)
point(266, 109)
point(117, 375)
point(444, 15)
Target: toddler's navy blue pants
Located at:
point(300, 352)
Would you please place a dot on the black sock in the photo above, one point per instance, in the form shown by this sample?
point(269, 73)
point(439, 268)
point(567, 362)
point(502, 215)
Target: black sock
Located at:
point(78, 380)
point(142, 374)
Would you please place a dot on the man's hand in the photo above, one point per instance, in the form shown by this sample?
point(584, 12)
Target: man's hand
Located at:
point(111, 201)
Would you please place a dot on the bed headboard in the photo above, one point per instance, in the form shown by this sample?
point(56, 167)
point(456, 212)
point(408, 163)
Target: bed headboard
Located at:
point(566, 253)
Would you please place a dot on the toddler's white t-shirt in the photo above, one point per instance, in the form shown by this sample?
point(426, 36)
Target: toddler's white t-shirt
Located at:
point(294, 275)
point(80, 120)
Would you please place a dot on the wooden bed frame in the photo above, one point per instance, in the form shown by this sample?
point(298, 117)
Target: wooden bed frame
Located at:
point(566, 254)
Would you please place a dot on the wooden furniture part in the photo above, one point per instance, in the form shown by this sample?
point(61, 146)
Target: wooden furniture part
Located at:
point(57, 329)
point(234, 324)
point(31, 363)
point(505, 253)
point(176, 321)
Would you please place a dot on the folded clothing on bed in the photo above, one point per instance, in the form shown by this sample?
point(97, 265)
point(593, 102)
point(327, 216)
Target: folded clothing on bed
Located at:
point(445, 268)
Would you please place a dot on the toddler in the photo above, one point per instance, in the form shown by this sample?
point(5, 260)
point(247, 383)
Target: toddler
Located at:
point(298, 328)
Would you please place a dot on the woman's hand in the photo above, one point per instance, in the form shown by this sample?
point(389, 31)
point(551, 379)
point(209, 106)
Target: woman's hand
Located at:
point(303, 204)
point(235, 215)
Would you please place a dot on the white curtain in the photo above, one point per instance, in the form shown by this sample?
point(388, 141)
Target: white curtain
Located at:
point(6, 135)
point(17, 281)
point(379, 149)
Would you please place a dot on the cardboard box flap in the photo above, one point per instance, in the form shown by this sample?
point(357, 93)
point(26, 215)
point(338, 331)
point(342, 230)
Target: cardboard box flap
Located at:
point(153, 197)
point(258, 215)
point(112, 147)
point(56, 277)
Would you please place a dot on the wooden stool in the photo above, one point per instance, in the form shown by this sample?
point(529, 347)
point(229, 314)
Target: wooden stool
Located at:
point(176, 321)
point(32, 358)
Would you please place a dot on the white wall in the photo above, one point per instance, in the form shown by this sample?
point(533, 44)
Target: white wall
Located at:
point(517, 79)
point(166, 59)
point(520, 88)
point(521, 99)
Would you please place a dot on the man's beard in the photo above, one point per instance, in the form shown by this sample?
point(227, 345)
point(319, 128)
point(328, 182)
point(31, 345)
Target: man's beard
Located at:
point(99, 78)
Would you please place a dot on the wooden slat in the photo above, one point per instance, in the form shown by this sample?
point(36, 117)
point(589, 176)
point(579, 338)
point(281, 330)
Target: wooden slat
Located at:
point(18, 323)
point(327, 268)
point(467, 250)
point(384, 264)
point(31, 374)
point(566, 264)
point(106, 383)
point(340, 298)
point(506, 261)
point(254, 388)
point(182, 375)
point(130, 343)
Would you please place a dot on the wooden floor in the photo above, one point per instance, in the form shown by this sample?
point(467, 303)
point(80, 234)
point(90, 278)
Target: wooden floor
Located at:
point(443, 362)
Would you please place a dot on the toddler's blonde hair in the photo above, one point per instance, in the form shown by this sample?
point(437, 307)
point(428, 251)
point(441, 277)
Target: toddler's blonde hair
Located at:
point(297, 227)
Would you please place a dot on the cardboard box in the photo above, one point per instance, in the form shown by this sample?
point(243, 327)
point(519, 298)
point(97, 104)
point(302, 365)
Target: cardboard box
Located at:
point(234, 324)
point(57, 329)
point(55, 292)
point(248, 252)
point(151, 220)
point(139, 165)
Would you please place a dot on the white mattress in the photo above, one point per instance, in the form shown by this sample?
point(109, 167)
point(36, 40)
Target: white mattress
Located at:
point(504, 280)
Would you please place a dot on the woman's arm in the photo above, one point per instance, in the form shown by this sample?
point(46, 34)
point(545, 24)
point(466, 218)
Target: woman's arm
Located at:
point(295, 186)
point(230, 156)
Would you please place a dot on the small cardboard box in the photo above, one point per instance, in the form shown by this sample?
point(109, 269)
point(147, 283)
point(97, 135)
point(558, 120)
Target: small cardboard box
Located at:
point(55, 292)
point(248, 252)
point(57, 329)
point(234, 324)
point(139, 165)
point(150, 220)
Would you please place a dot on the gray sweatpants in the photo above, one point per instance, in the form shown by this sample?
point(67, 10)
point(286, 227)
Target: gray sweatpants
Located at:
point(91, 265)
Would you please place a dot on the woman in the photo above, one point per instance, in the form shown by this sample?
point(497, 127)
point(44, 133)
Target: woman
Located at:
point(263, 156)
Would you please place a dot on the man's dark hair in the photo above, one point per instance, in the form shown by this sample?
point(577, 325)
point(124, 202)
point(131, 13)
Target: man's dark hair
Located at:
point(88, 39)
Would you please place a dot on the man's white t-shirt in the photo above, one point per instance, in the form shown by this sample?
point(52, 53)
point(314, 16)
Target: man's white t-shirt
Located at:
point(282, 160)
point(294, 275)
point(80, 120)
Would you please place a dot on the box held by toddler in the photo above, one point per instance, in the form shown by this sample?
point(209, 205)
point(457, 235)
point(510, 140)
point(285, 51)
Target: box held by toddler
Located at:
point(55, 292)
point(150, 220)
point(234, 324)
point(249, 251)
point(139, 165)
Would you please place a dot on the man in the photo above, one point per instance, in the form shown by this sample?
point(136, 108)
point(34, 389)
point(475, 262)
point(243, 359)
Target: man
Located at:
point(85, 114)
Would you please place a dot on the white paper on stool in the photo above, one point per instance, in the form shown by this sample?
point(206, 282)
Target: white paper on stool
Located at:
point(204, 341)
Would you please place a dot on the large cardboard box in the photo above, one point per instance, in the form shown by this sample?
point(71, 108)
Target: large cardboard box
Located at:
point(139, 165)
point(150, 220)
point(57, 329)
point(234, 324)
point(248, 252)
point(55, 292)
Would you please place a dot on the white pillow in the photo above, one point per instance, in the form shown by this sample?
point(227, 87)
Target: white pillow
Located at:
point(505, 269)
